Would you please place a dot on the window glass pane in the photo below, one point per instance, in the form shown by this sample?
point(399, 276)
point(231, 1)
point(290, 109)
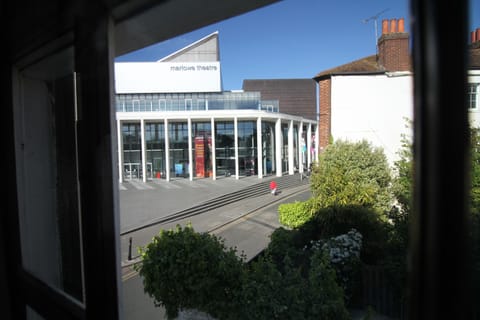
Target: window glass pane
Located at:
point(155, 148)
point(47, 174)
point(32, 314)
point(472, 95)
point(178, 147)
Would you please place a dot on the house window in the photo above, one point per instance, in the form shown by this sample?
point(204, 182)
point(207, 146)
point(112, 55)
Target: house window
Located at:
point(472, 95)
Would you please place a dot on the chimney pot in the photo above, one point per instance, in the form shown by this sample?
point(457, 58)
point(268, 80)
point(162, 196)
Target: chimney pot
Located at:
point(401, 25)
point(384, 26)
point(393, 26)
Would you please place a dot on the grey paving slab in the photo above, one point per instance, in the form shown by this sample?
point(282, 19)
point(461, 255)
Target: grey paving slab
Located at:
point(255, 219)
point(143, 202)
point(218, 217)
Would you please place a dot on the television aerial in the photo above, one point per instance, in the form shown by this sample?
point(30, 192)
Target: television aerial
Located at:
point(375, 19)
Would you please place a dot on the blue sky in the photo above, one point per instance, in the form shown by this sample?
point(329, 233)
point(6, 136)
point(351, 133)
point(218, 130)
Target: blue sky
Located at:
point(293, 38)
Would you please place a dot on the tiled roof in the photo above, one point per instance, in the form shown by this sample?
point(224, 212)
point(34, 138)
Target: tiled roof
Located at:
point(369, 64)
point(366, 65)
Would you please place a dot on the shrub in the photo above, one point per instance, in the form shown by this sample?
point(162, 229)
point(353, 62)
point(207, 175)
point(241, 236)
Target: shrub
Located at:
point(296, 213)
point(344, 254)
point(325, 295)
point(352, 173)
point(333, 221)
point(282, 244)
point(271, 294)
point(183, 269)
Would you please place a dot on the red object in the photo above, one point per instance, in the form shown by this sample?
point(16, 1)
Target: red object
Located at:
point(384, 26)
point(273, 185)
point(401, 25)
point(159, 175)
point(200, 156)
point(393, 26)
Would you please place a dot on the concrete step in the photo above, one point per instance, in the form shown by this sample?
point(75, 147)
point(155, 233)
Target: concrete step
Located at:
point(255, 190)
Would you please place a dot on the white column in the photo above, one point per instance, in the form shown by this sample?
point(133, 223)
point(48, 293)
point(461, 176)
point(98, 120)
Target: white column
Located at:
point(235, 134)
point(144, 153)
point(301, 143)
point(120, 151)
point(272, 144)
point(278, 147)
point(214, 156)
point(309, 145)
point(290, 148)
point(315, 146)
point(259, 148)
point(167, 152)
point(190, 157)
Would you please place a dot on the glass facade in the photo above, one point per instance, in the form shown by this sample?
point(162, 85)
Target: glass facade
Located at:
point(132, 150)
point(202, 149)
point(178, 149)
point(158, 102)
point(225, 147)
point(247, 160)
point(284, 147)
point(155, 148)
point(268, 147)
point(247, 147)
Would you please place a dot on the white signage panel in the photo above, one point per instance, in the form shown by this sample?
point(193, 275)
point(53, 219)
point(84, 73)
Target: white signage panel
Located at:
point(167, 77)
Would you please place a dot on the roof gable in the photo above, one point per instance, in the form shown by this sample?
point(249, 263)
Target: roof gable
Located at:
point(203, 50)
point(370, 65)
point(365, 65)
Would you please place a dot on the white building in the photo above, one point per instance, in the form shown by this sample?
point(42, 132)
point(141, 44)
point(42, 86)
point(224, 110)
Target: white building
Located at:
point(473, 94)
point(174, 120)
point(372, 98)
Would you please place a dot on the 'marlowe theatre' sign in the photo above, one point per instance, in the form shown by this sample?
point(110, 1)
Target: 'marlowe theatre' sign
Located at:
point(167, 77)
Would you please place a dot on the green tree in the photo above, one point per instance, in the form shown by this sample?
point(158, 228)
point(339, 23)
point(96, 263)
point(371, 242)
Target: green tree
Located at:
point(352, 173)
point(403, 191)
point(269, 293)
point(183, 269)
point(326, 296)
point(475, 172)
point(475, 214)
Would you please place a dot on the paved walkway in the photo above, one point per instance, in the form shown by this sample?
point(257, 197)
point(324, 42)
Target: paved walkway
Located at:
point(255, 218)
point(249, 233)
point(141, 203)
point(144, 207)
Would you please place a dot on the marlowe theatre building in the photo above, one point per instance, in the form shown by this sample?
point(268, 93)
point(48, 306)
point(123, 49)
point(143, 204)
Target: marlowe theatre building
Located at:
point(174, 120)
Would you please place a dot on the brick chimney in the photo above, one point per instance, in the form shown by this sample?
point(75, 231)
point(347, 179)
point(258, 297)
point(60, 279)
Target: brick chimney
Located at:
point(475, 36)
point(393, 46)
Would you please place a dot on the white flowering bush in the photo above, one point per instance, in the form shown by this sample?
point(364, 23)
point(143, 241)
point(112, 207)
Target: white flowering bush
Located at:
point(344, 254)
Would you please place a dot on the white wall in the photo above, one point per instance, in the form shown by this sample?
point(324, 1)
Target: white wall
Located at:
point(167, 77)
point(372, 107)
point(474, 114)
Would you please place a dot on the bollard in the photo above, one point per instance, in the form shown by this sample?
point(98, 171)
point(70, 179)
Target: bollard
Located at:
point(130, 248)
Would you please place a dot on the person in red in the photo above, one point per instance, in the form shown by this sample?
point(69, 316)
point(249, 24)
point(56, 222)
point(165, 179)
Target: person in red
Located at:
point(273, 187)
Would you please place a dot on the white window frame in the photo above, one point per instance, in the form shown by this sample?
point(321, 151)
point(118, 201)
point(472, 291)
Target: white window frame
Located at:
point(473, 105)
